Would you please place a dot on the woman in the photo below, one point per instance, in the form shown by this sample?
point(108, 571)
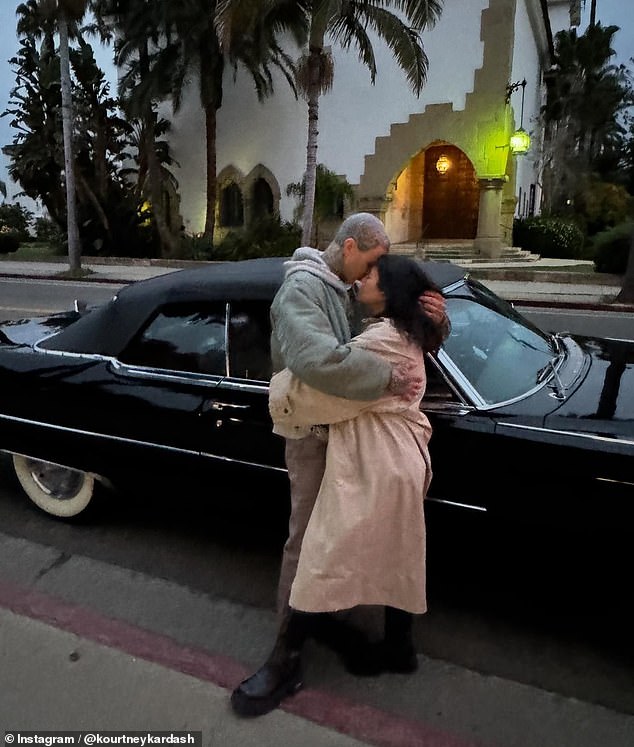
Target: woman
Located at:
point(365, 541)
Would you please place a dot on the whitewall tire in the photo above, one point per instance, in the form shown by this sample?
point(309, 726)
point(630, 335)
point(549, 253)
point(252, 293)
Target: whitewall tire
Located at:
point(58, 490)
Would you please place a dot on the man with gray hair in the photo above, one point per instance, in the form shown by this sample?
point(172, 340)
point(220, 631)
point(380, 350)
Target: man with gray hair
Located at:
point(312, 323)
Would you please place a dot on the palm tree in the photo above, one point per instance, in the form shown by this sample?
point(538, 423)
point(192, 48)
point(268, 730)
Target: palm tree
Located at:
point(196, 39)
point(66, 13)
point(585, 96)
point(137, 29)
point(350, 23)
point(239, 33)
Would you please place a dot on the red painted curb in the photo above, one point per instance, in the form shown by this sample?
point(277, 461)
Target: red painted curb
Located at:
point(361, 722)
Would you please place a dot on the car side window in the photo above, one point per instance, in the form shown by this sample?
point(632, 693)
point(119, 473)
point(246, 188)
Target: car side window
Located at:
point(436, 390)
point(250, 341)
point(182, 337)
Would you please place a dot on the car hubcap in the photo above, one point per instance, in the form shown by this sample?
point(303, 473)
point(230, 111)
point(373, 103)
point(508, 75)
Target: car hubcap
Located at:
point(58, 482)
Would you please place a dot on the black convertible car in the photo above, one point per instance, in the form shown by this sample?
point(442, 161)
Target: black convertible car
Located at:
point(170, 378)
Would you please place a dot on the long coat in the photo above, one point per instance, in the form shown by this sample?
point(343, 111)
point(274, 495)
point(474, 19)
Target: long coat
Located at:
point(365, 541)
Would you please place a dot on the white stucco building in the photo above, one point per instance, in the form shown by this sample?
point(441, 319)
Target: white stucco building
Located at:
point(387, 142)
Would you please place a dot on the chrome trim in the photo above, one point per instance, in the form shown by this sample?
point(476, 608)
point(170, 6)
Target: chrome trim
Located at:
point(132, 441)
point(227, 321)
point(166, 374)
point(105, 436)
point(590, 436)
point(467, 387)
point(245, 385)
point(242, 461)
point(68, 354)
point(616, 482)
point(454, 286)
point(455, 503)
point(460, 379)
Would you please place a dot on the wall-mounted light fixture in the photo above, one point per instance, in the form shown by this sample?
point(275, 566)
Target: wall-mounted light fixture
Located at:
point(520, 141)
point(443, 164)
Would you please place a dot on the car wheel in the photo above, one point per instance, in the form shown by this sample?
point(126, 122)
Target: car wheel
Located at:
point(60, 491)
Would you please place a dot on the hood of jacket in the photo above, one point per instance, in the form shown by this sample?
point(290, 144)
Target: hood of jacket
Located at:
point(307, 259)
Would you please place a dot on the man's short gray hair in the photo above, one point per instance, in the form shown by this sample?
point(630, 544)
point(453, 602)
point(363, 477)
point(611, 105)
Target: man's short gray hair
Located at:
point(366, 229)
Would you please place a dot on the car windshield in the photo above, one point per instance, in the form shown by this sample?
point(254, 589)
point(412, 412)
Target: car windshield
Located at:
point(500, 354)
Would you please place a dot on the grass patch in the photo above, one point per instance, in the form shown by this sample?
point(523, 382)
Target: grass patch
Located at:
point(34, 251)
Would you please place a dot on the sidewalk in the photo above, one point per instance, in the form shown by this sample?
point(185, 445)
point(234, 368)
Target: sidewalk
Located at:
point(85, 645)
point(521, 282)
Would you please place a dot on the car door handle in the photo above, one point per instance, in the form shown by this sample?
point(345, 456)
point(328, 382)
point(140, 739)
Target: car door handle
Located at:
point(220, 406)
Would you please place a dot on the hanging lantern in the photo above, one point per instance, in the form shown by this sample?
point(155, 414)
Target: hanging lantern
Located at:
point(520, 142)
point(443, 164)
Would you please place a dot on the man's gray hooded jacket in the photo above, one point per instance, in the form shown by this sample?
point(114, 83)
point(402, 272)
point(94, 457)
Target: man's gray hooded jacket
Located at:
point(311, 332)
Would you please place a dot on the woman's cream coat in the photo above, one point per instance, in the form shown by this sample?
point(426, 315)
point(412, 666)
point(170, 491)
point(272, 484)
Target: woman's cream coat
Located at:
point(365, 541)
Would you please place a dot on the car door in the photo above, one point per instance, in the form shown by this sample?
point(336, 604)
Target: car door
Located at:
point(235, 419)
point(462, 447)
point(154, 396)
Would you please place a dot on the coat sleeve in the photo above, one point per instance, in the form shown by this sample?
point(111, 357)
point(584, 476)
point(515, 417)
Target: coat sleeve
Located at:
point(313, 353)
point(293, 403)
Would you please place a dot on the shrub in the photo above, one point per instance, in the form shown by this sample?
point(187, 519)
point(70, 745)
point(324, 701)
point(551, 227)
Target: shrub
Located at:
point(17, 218)
point(602, 205)
point(549, 237)
point(9, 240)
point(612, 248)
point(47, 230)
point(267, 237)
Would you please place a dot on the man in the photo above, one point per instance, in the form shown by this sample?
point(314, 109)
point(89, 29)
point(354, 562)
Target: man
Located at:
point(311, 330)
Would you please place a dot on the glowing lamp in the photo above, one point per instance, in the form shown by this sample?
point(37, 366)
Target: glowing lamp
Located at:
point(443, 164)
point(520, 142)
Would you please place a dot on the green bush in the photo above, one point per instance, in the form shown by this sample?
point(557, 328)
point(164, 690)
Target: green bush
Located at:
point(612, 248)
point(267, 237)
point(602, 205)
point(549, 237)
point(9, 240)
point(17, 218)
point(47, 230)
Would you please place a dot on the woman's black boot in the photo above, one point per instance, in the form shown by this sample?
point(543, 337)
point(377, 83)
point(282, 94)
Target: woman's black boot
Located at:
point(281, 674)
point(398, 651)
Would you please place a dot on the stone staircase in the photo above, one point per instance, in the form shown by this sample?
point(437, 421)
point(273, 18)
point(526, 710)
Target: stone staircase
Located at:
point(460, 251)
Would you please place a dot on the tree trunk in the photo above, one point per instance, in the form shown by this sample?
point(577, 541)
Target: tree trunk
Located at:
point(210, 141)
point(74, 246)
point(593, 12)
point(310, 178)
point(627, 291)
point(166, 237)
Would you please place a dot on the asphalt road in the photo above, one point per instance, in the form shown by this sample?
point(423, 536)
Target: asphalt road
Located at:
point(534, 607)
point(24, 297)
point(616, 324)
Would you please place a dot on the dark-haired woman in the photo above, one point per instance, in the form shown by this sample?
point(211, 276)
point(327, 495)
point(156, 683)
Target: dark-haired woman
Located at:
point(365, 541)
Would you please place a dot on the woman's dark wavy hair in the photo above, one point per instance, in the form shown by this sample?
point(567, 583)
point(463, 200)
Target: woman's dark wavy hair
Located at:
point(403, 281)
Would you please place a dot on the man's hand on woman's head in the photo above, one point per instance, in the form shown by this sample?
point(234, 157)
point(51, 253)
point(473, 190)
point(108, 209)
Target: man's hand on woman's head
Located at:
point(434, 305)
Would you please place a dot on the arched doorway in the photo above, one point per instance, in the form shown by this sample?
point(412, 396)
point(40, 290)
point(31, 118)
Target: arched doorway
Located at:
point(262, 201)
point(451, 194)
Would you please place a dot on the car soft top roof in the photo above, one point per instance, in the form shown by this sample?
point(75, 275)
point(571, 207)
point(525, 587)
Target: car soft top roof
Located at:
point(108, 329)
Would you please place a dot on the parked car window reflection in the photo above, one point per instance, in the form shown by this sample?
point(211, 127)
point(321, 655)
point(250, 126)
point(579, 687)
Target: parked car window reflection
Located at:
point(249, 341)
point(497, 351)
point(182, 338)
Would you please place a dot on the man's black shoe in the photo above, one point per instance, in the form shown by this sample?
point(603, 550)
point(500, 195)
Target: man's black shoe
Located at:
point(263, 691)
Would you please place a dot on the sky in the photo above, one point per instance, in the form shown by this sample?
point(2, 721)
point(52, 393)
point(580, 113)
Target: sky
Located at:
point(609, 12)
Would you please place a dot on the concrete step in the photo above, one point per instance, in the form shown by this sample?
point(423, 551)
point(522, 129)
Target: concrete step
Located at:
point(461, 251)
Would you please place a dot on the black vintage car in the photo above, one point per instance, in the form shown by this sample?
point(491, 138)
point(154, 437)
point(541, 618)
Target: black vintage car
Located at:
point(170, 378)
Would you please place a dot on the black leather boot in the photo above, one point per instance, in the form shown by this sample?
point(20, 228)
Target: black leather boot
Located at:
point(398, 652)
point(281, 674)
